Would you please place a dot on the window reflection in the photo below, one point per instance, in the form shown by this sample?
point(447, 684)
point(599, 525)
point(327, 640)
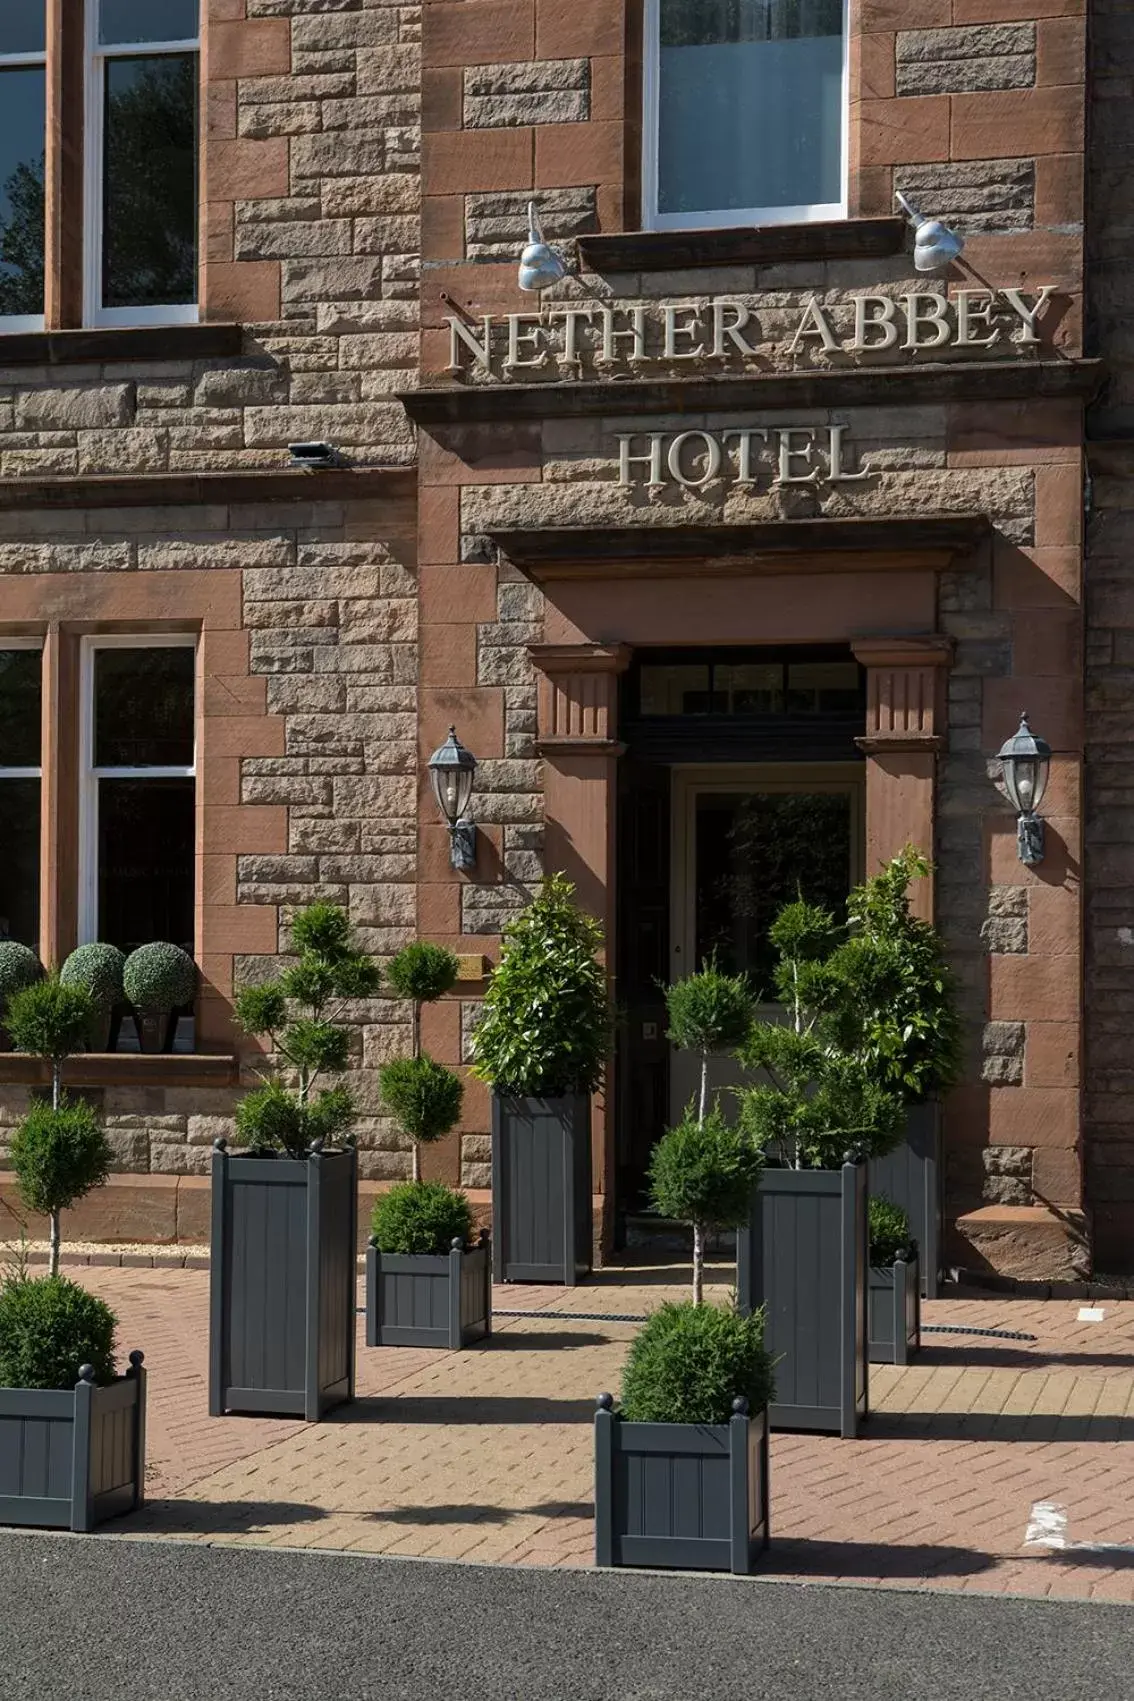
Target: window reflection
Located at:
point(150, 182)
point(125, 21)
point(20, 707)
point(145, 862)
point(143, 707)
point(23, 120)
point(19, 860)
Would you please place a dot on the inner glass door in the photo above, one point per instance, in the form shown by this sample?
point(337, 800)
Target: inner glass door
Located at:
point(745, 842)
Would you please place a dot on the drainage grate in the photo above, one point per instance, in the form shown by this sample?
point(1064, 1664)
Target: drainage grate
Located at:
point(638, 1317)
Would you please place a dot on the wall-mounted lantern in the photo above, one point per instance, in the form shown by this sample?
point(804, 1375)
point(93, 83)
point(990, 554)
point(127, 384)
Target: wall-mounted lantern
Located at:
point(1026, 762)
point(452, 770)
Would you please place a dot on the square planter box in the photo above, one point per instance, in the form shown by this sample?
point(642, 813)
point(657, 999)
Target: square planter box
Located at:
point(541, 1189)
point(893, 1312)
point(71, 1458)
point(690, 1496)
point(802, 1256)
point(282, 1283)
point(421, 1301)
point(911, 1176)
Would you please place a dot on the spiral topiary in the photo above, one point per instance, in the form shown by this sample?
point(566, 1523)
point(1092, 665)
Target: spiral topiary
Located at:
point(159, 978)
point(19, 967)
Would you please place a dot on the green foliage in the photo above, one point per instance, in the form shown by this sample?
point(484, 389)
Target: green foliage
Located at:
point(59, 1154)
point(709, 1011)
point(50, 1328)
point(420, 1218)
point(19, 967)
point(50, 1019)
point(423, 972)
point(422, 1096)
point(159, 978)
point(704, 1172)
point(889, 1232)
point(271, 1119)
point(297, 1014)
point(818, 1108)
point(690, 1362)
point(98, 968)
point(892, 999)
point(545, 1027)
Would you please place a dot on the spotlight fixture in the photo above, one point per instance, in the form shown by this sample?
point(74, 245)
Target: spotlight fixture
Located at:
point(935, 245)
point(1025, 762)
point(314, 454)
point(540, 265)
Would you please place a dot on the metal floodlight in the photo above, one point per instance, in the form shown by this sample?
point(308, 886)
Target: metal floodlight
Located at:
point(936, 246)
point(540, 265)
point(314, 454)
point(1026, 763)
point(452, 770)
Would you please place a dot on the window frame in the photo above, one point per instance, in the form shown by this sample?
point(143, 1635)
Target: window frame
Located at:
point(13, 324)
point(96, 54)
point(89, 775)
point(730, 217)
point(33, 642)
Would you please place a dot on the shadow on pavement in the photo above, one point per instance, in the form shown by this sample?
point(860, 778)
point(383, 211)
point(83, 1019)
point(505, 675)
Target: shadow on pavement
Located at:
point(515, 1337)
point(463, 1409)
point(216, 1517)
point(1019, 1358)
point(995, 1426)
point(801, 1557)
point(421, 1515)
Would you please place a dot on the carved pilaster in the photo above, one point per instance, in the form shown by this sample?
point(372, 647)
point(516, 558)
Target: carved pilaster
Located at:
point(905, 692)
point(578, 696)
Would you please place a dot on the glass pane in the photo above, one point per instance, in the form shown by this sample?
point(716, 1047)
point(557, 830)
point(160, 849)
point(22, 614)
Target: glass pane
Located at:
point(750, 104)
point(20, 700)
point(150, 182)
point(749, 689)
point(145, 862)
point(19, 863)
point(818, 687)
point(143, 708)
point(23, 26)
point(125, 21)
point(681, 690)
point(755, 852)
point(23, 119)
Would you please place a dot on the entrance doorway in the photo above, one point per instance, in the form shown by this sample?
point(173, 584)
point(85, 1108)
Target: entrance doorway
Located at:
point(741, 786)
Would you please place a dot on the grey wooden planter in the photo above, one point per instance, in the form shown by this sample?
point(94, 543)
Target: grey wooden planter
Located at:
point(893, 1312)
point(72, 1457)
point(911, 1176)
point(690, 1496)
point(282, 1285)
point(541, 1189)
point(802, 1256)
point(421, 1301)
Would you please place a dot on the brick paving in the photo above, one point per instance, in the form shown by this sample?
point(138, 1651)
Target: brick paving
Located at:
point(486, 1455)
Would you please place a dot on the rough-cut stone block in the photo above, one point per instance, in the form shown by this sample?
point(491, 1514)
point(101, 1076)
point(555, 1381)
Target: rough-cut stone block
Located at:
point(1028, 1242)
point(555, 91)
point(82, 407)
point(495, 224)
point(951, 61)
point(983, 196)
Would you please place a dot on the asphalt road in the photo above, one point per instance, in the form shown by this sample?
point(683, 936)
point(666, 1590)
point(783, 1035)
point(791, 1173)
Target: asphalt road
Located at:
point(107, 1619)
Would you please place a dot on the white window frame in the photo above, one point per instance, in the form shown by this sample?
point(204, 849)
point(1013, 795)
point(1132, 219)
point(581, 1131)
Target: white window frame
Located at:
point(97, 53)
point(90, 775)
point(12, 323)
point(730, 217)
point(36, 773)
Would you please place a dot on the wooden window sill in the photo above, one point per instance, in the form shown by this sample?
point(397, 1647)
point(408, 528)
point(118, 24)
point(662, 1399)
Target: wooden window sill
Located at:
point(682, 250)
point(125, 1068)
point(107, 344)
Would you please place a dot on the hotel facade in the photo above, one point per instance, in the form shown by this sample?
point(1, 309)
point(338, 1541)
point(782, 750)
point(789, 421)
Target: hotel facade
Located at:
point(733, 554)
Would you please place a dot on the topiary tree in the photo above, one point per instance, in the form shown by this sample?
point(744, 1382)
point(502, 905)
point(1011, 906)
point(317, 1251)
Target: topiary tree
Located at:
point(158, 979)
point(545, 1028)
point(889, 1231)
point(59, 1153)
point(49, 1329)
point(709, 1013)
point(51, 1020)
point(98, 969)
point(420, 1218)
point(19, 967)
point(298, 1014)
point(690, 1362)
point(422, 1096)
point(703, 1173)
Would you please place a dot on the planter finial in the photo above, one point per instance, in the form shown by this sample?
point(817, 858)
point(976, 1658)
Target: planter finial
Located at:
point(86, 1373)
point(137, 1359)
point(605, 1402)
point(220, 1145)
point(740, 1406)
point(315, 1147)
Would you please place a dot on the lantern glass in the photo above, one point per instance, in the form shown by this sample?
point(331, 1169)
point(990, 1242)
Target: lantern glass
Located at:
point(452, 787)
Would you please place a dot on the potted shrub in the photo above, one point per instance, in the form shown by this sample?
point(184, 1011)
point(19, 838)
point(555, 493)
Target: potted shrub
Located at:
point(681, 1466)
point(893, 1291)
point(98, 969)
point(802, 1256)
point(158, 981)
point(72, 1432)
point(426, 1286)
point(19, 967)
point(284, 1212)
point(893, 1003)
point(541, 1045)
